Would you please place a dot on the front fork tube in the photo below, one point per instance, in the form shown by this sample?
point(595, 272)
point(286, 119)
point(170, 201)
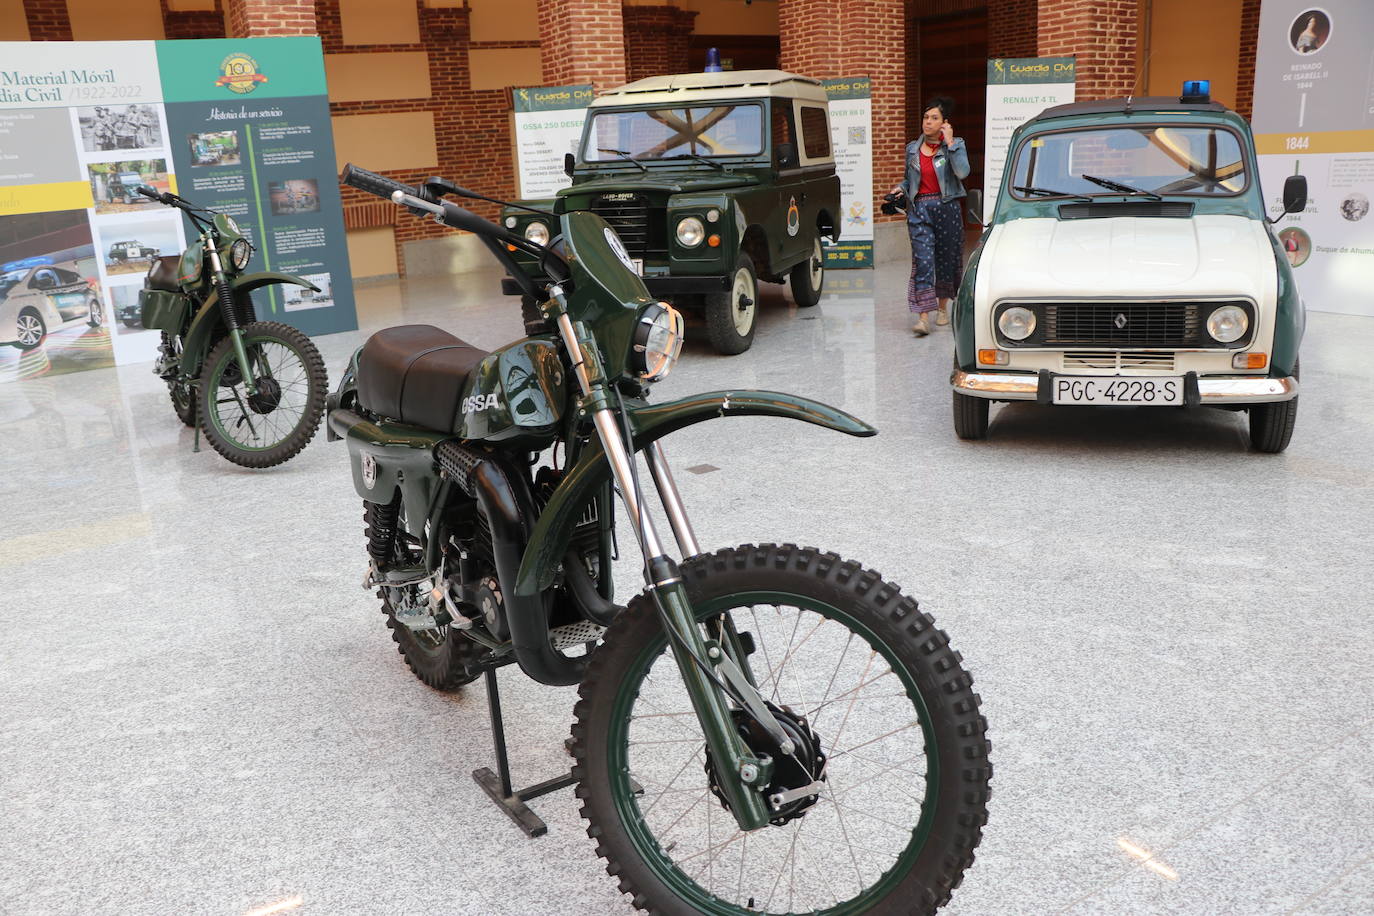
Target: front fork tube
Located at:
point(231, 321)
point(751, 773)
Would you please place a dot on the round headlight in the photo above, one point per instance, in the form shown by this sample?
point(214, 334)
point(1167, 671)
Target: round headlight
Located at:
point(1228, 324)
point(240, 253)
point(657, 341)
point(1016, 323)
point(511, 221)
point(537, 232)
point(712, 215)
point(690, 232)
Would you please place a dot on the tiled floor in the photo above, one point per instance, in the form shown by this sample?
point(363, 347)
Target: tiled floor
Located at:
point(201, 712)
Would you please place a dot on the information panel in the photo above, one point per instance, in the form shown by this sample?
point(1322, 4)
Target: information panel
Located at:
point(237, 125)
point(1019, 88)
point(851, 137)
point(548, 125)
point(1314, 116)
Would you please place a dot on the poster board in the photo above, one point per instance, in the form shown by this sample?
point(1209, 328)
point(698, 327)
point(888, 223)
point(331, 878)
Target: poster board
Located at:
point(237, 125)
point(1019, 88)
point(851, 139)
point(1314, 116)
point(548, 125)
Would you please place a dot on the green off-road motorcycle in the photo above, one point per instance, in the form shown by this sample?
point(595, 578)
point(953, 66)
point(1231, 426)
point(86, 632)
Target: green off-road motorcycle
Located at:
point(257, 387)
point(764, 728)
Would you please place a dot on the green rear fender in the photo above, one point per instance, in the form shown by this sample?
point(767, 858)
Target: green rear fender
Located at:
point(651, 422)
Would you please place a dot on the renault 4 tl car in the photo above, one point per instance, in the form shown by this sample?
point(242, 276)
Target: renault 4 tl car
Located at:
point(1130, 261)
point(712, 181)
point(38, 298)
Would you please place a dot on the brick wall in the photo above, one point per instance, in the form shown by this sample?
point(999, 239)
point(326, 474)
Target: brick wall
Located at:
point(583, 42)
point(257, 18)
point(833, 38)
point(657, 40)
point(1013, 28)
point(1102, 34)
point(1245, 65)
point(193, 23)
point(48, 20)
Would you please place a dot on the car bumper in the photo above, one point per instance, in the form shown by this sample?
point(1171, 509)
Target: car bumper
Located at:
point(1199, 391)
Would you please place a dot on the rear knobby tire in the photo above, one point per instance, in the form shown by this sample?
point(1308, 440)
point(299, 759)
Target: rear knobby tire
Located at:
point(935, 693)
point(439, 658)
point(228, 417)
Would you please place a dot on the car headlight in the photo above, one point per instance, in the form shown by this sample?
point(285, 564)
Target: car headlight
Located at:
point(240, 253)
point(1016, 323)
point(511, 222)
point(537, 232)
point(657, 341)
point(1228, 324)
point(690, 232)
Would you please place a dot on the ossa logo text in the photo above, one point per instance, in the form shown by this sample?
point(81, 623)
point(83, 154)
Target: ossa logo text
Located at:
point(479, 402)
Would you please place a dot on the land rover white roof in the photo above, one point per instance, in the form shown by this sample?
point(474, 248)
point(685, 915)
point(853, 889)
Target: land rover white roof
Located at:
point(679, 88)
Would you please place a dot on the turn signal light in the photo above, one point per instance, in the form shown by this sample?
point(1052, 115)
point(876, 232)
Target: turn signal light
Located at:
point(714, 241)
point(1250, 360)
point(510, 247)
point(993, 357)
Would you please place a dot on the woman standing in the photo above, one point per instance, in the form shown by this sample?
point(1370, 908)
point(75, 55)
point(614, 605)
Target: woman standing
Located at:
point(935, 165)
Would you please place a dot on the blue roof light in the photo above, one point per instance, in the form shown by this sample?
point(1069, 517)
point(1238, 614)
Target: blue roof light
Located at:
point(1196, 91)
point(713, 60)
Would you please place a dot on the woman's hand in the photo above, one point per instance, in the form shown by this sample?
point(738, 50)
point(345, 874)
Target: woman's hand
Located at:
point(947, 133)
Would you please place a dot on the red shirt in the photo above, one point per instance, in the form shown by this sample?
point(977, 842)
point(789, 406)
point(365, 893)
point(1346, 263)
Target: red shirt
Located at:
point(929, 183)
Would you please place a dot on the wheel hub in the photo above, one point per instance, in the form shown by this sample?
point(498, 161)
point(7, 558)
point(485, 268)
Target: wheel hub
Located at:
point(268, 396)
point(803, 766)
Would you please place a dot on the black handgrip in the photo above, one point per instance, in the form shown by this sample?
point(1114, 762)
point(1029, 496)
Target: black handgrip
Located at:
point(149, 192)
point(373, 183)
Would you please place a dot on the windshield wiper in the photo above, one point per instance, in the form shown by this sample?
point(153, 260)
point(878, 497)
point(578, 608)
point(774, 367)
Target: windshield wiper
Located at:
point(698, 158)
point(1118, 186)
point(622, 153)
point(1047, 192)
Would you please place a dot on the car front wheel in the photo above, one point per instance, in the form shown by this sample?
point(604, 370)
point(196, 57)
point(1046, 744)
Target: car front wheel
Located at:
point(730, 315)
point(30, 329)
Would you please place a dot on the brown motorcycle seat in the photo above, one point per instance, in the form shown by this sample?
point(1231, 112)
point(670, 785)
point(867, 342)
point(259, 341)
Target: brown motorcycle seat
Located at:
point(163, 274)
point(416, 373)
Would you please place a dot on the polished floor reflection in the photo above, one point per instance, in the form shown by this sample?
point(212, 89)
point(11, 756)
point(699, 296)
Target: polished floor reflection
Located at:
point(201, 712)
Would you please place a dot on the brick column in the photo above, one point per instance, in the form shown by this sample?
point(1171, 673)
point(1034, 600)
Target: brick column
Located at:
point(256, 18)
point(1245, 69)
point(832, 38)
point(657, 40)
point(192, 23)
point(582, 41)
point(1102, 34)
point(48, 20)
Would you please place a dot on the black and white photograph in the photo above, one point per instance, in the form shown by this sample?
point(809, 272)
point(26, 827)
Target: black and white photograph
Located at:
point(105, 128)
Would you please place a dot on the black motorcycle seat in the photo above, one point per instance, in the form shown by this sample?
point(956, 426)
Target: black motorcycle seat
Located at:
point(416, 373)
point(163, 273)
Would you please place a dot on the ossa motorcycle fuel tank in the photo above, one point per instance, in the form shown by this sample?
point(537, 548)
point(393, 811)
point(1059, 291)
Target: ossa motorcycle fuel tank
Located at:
point(515, 396)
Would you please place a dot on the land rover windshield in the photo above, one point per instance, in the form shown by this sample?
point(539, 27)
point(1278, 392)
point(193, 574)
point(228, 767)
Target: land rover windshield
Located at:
point(1110, 161)
point(667, 133)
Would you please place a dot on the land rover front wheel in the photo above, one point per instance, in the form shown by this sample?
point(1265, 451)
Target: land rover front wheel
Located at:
point(808, 277)
point(730, 314)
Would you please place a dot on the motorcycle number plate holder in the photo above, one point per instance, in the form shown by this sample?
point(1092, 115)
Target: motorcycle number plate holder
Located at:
point(639, 265)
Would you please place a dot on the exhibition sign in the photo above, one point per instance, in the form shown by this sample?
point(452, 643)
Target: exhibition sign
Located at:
point(1019, 88)
point(1314, 116)
point(237, 125)
point(548, 125)
point(851, 139)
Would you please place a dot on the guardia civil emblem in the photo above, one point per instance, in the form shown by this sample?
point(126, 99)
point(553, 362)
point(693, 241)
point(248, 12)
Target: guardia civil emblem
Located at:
point(240, 73)
point(793, 217)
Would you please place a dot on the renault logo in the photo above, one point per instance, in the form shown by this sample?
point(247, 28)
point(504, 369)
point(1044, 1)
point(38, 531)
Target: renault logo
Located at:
point(1120, 320)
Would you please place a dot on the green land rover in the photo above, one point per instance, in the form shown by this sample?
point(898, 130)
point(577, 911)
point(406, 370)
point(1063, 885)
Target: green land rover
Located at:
point(1130, 261)
point(713, 181)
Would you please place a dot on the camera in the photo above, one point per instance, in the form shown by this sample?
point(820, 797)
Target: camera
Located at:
point(895, 203)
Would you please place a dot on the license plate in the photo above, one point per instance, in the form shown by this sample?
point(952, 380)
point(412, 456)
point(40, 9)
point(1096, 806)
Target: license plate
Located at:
point(1084, 389)
point(639, 265)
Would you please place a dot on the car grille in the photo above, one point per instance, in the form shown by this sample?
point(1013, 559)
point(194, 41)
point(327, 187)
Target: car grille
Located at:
point(1077, 360)
point(642, 228)
point(1123, 324)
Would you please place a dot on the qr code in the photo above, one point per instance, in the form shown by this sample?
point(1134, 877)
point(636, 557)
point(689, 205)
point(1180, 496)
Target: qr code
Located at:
point(858, 135)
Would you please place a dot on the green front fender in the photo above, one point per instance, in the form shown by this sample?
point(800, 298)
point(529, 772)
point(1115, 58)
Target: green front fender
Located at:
point(650, 422)
point(248, 282)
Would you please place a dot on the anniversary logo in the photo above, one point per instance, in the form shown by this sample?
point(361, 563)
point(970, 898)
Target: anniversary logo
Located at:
point(240, 73)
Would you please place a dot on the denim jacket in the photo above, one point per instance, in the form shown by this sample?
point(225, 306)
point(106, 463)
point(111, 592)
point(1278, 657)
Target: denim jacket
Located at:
point(951, 165)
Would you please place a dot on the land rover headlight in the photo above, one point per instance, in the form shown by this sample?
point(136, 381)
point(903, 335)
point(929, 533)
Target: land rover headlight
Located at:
point(1228, 324)
point(1016, 323)
point(657, 341)
point(537, 232)
point(690, 232)
point(240, 253)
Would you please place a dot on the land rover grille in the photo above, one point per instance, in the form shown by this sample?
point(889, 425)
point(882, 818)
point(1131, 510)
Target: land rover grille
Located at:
point(642, 227)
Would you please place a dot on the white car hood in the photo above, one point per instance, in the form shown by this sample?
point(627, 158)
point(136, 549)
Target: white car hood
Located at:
point(1128, 257)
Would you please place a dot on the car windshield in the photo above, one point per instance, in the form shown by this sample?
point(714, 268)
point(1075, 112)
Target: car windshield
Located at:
point(9, 280)
point(1160, 159)
point(730, 129)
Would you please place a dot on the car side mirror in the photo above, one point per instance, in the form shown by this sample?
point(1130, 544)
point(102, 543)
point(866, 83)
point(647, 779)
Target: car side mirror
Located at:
point(1295, 194)
point(569, 160)
point(787, 155)
point(975, 206)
